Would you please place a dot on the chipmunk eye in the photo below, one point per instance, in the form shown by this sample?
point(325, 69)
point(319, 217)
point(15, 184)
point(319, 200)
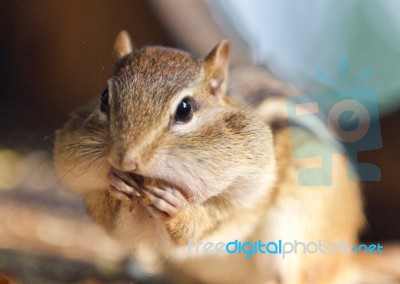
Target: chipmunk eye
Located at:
point(184, 111)
point(104, 107)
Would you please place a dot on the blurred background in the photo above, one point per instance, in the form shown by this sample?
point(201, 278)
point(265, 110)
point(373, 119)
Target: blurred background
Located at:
point(56, 55)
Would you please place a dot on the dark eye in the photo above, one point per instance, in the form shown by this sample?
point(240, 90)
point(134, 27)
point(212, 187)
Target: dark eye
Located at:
point(184, 111)
point(104, 101)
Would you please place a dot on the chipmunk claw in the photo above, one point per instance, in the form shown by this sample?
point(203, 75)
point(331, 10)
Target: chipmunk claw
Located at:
point(165, 202)
point(122, 186)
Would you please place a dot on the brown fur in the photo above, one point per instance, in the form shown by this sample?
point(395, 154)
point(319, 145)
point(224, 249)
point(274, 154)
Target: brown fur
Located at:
point(240, 182)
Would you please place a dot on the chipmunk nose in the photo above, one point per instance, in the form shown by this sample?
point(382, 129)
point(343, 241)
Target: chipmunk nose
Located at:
point(125, 161)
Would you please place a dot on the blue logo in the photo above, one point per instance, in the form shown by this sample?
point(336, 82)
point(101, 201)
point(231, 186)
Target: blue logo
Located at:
point(347, 116)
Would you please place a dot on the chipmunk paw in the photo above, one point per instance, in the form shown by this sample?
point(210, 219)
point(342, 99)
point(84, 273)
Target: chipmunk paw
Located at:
point(165, 202)
point(122, 185)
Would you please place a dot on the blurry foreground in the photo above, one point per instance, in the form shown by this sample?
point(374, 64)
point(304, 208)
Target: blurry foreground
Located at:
point(45, 235)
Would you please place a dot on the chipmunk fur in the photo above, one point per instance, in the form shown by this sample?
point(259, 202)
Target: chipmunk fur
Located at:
point(224, 173)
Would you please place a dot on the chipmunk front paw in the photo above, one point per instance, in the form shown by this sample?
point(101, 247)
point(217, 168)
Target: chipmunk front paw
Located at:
point(122, 185)
point(165, 202)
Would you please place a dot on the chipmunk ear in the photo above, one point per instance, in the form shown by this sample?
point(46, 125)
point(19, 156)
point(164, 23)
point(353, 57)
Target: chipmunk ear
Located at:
point(216, 65)
point(122, 45)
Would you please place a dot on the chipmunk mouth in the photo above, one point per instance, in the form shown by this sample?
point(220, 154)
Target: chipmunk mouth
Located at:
point(144, 181)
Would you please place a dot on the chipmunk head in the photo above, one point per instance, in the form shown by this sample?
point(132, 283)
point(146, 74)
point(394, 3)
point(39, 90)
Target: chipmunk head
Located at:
point(169, 119)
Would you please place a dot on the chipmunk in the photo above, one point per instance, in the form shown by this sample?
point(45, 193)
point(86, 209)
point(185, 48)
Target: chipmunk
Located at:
point(165, 159)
